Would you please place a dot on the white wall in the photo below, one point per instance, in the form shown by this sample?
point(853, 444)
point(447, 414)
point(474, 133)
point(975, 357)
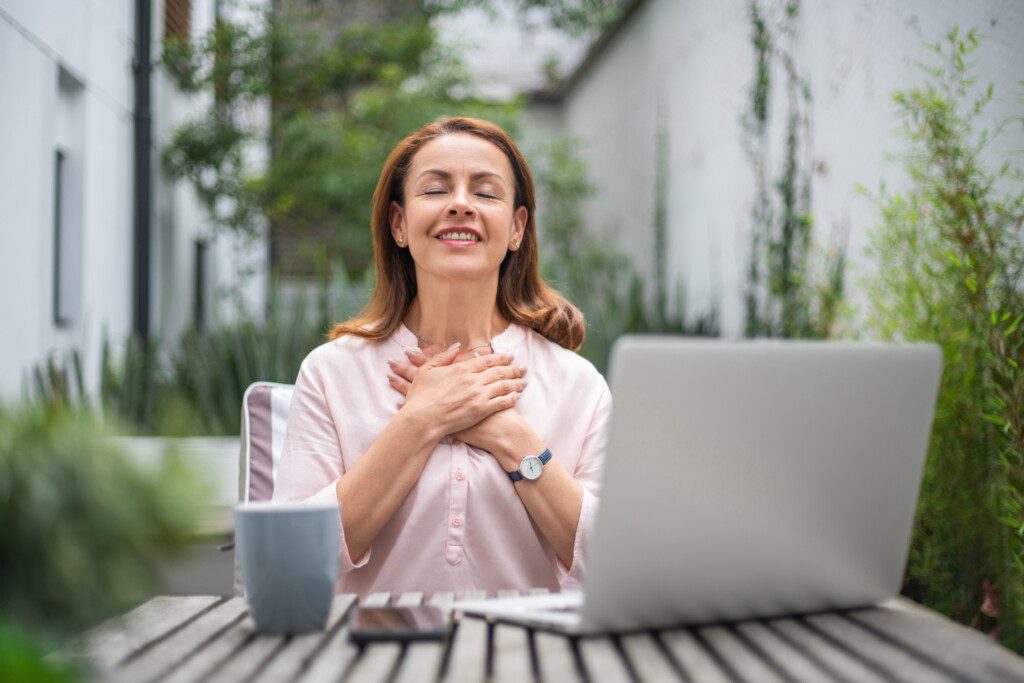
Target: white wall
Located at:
point(695, 61)
point(93, 40)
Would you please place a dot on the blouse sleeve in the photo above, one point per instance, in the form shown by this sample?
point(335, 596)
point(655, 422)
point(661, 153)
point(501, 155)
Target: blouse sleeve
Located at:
point(588, 473)
point(311, 462)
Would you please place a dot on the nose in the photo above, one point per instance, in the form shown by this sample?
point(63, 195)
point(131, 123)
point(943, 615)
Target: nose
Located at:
point(460, 205)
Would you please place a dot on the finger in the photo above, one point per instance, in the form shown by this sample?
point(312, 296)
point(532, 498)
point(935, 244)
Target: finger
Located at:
point(398, 384)
point(506, 386)
point(503, 402)
point(403, 370)
point(490, 360)
point(416, 357)
point(501, 372)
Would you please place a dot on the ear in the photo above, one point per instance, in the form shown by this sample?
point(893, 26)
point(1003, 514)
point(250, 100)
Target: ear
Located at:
point(396, 219)
point(518, 228)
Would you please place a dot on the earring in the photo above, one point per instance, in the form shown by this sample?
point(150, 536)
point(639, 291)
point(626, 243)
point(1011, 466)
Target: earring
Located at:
point(401, 240)
point(515, 245)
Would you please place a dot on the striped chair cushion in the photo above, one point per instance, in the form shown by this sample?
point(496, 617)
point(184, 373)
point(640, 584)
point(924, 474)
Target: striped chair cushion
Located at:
point(264, 420)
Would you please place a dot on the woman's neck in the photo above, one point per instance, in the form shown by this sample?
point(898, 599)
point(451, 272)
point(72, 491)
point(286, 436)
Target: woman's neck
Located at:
point(446, 312)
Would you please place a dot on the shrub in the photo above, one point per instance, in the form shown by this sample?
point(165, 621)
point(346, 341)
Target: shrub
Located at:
point(950, 262)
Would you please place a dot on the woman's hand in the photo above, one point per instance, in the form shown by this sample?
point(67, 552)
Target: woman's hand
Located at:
point(458, 395)
point(490, 434)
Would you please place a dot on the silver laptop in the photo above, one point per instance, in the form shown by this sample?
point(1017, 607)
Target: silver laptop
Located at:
point(748, 479)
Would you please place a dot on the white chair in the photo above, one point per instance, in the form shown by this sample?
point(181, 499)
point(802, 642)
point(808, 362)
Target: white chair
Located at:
point(264, 421)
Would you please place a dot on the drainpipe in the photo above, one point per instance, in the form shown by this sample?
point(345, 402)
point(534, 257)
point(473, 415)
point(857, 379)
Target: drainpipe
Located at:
point(142, 67)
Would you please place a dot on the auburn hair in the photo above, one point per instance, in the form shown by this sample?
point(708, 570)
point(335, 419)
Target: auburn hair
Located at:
point(524, 297)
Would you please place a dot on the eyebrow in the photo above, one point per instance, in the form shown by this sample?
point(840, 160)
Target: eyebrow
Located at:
point(447, 176)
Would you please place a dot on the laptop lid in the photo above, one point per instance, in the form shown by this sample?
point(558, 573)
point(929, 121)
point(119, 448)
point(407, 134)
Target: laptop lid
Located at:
point(747, 479)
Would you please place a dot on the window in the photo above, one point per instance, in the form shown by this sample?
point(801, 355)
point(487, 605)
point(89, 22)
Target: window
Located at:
point(199, 285)
point(61, 314)
point(177, 19)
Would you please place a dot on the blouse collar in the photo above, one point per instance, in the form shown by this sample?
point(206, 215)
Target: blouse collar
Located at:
point(509, 339)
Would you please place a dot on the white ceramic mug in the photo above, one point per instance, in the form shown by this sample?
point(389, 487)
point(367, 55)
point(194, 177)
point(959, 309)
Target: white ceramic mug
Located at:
point(288, 555)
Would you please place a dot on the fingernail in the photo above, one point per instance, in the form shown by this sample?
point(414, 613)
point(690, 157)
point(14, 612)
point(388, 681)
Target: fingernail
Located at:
point(522, 369)
point(454, 346)
point(392, 378)
point(413, 353)
point(392, 364)
point(508, 356)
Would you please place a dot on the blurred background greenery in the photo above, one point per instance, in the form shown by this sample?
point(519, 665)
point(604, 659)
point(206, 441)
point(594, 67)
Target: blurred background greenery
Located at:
point(948, 251)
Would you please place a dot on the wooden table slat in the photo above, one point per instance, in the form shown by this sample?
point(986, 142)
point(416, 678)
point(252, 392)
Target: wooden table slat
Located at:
point(184, 639)
point(114, 640)
point(443, 600)
point(411, 599)
point(422, 660)
point(648, 660)
point(336, 656)
point(555, 659)
point(512, 659)
point(172, 652)
point(468, 658)
point(842, 665)
point(376, 662)
point(964, 650)
point(885, 654)
point(693, 657)
point(745, 662)
point(795, 665)
point(291, 661)
point(602, 661)
point(376, 600)
point(246, 662)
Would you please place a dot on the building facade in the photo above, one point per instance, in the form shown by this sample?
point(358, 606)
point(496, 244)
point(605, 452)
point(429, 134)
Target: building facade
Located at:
point(68, 238)
point(677, 75)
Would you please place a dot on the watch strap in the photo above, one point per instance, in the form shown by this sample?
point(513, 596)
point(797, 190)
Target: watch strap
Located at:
point(516, 475)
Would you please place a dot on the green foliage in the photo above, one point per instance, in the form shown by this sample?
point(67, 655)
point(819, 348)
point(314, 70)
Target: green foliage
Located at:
point(793, 290)
point(86, 528)
point(950, 261)
point(213, 368)
point(196, 386)
point(604, 284)
point(23, 658)
point(341, 97)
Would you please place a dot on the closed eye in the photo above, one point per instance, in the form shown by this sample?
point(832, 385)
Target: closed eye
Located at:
point(485, 195)
point(434, 192)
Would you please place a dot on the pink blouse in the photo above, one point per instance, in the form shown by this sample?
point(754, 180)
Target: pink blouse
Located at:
point(462, 527)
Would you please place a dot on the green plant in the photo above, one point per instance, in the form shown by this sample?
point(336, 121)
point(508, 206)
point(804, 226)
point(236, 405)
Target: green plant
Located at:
point(213, 368)
point(614, 297)
point(950, 258)
point(785, 296)
point(343, 86)
point(85, 528)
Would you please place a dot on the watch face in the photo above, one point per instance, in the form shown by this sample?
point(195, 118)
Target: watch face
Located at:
point(531, 467)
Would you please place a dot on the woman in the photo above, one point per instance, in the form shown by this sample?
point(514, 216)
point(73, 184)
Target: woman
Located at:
point(486, 476)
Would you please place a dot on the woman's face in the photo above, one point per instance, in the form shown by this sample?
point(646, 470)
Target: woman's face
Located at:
point(459, 219)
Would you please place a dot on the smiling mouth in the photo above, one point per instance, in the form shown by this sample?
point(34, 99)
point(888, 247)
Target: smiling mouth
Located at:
point(458, 237)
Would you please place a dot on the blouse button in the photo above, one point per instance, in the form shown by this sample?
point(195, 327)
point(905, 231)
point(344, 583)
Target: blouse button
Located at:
point(460, 475)
point(456, 521)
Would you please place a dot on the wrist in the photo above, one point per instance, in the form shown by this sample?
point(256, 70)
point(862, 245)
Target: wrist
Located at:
point(516, 446)
point(422, 424)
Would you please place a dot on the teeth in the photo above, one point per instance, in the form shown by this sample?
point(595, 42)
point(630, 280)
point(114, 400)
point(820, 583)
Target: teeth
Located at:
point(459, 236)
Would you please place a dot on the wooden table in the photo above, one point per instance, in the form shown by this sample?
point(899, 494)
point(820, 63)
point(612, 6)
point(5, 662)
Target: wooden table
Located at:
point(213, 639)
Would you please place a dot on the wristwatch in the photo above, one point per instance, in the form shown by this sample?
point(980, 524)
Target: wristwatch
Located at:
point(531, 467)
